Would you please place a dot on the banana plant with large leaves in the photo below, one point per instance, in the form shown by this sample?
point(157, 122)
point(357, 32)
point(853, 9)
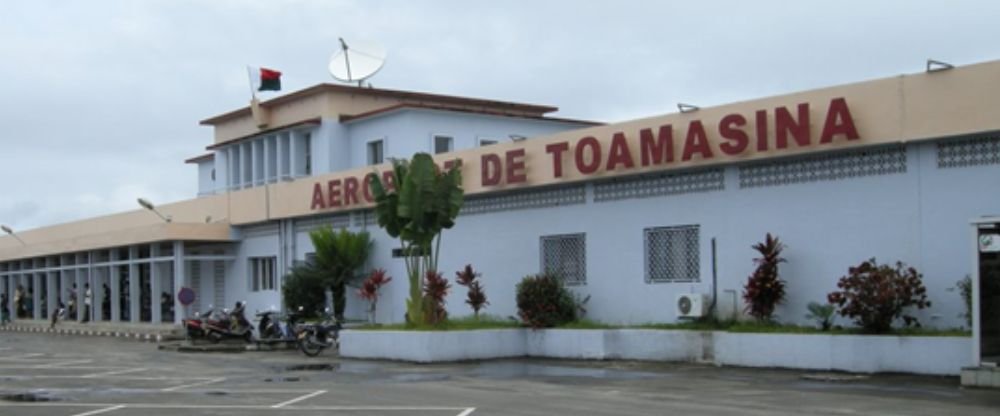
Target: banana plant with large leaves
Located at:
point(415, 203)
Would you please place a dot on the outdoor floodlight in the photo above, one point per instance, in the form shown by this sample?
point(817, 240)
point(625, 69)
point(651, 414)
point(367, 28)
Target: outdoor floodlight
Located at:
point(8, 230)
point(143, 202)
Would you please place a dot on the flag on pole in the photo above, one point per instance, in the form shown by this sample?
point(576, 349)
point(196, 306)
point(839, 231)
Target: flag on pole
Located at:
point(267, 79)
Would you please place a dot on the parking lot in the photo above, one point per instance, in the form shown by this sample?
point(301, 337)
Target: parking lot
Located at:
point(76, 376)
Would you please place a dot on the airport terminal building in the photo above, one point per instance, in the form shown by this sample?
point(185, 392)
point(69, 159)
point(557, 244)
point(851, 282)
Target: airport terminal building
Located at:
point(632, 214)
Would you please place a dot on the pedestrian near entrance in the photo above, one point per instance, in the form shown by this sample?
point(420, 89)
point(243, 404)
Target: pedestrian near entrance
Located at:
point(86, 302)
point(72, 302)
point(4, 310)
point(57, 313)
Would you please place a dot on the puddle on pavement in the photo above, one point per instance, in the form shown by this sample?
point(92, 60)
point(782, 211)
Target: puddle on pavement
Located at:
point(515, 370)
point(313, 367)
point(28, 397)
point(284, 379)
point(416, 377)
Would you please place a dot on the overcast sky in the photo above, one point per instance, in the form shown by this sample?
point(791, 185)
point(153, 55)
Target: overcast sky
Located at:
point(100, 100)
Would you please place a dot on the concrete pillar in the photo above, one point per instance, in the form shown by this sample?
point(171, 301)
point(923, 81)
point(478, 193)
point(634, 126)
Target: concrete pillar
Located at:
point(134, 282)
point(100, 276)
point(79, 276)
point(179, 280)
point(267, 158)
point(51, 288)
point(154, 285)
point(280, 155)
point(36, 293)
point(293, 152)
point(116, 293)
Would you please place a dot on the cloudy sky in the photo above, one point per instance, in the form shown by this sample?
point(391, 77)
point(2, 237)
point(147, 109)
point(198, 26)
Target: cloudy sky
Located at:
point(99, 100)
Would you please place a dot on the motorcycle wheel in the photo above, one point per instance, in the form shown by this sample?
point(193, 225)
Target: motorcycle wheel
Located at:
point(310, 346)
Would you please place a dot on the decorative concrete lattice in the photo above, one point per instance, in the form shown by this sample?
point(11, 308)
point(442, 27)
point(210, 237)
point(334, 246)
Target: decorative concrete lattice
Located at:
point(335, 221)
point(659, 184)
point(538, 198)
point(672, 254)
point(566, 256)
point(969, 152)
point(364, 218)
point(868, 162)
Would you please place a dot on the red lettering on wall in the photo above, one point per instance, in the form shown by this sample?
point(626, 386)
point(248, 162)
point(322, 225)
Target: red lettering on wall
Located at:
point(333, 192)
point(557, 149)
point(659, 149)
point(696, 142)
point(620, 153)
point(389, 180)
point(784, 124)
point(838, 121)
point(350, 190)
point(761, 118)
point(515, 166)
point(587, 167)
point(318, 201)
point(491, 169)
point(449, 164)
point(736, 139)
point(366, 188)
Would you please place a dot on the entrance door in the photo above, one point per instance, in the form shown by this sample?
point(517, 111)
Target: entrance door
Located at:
point(989, 295)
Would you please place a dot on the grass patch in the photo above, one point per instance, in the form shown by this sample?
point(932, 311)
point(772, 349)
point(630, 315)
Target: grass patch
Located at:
point(587, 324)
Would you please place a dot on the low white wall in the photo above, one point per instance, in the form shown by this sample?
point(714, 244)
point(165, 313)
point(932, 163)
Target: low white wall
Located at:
point(853, 353)
point(432, 346)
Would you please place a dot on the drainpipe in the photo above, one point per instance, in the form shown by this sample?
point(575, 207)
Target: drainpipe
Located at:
point(715, 283)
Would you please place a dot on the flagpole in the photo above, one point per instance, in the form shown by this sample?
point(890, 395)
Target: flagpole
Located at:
point(253, 94)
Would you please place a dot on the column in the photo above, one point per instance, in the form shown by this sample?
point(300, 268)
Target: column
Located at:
point(254, 163)
point(115, 282)
point(36, 295)
point(79, 279)
point(51, 289)
point(179, 281)
point(154, 285)
point(134, 282)
point(267, 158)
point(293, 160)
point(96, 276)
point(280, 151)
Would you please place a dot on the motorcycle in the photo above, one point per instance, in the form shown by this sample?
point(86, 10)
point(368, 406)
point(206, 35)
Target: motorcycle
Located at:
point(314, 338)
point(234, 325)
point(194, 327)
point(272, 329)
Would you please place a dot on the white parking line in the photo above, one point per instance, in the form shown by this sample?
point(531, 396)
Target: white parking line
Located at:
point(179, 406)
point(111, 373)
point(298, 399)
point(467, 412)
point(64, 363)
point(22, 356)
point(200, 383)
point(99, 411)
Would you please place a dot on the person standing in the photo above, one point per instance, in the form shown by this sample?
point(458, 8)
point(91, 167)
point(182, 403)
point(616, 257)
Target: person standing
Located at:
point(4, 310)
point(86, 302)
point(106, 303)
point(72, 302)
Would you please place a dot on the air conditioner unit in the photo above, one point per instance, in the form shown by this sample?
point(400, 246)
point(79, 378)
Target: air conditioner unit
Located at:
point(692, 305)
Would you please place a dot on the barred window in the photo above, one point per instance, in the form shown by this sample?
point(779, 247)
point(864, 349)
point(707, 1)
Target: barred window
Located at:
point(969, 152)
point(672, 254)
point(566, 256)
point(262, 273)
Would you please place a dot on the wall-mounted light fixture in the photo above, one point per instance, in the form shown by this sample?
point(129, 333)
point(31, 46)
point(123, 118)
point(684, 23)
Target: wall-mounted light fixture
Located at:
point(149, 206)
point(8, 230)
point(687, 108)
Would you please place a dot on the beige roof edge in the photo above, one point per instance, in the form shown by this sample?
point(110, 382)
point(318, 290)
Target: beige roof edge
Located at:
point(215, 232)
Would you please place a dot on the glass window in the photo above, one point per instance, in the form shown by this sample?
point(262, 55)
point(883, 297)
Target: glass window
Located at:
point(263, 273)
point(307, 141)
point(443, 144)
point(376, 152)
point(487, 142)
point(672, 254)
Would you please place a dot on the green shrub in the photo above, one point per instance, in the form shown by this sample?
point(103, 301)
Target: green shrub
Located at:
point(822, 314)
point(875, 295)
point(964, 287)
point(304, 287)
point(544, 302)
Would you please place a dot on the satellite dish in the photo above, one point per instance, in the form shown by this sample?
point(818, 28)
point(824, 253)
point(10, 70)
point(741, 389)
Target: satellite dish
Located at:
point(356, 61)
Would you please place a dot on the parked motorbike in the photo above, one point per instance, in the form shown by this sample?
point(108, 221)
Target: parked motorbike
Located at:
point(272, 329)
point(194, 327)
point(233, 325)
point(314, 338)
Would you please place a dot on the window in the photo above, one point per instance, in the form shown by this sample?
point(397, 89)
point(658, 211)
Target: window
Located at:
point(442, 144)
point(307, 141)
point(376, 152)
point(262, 273)
point(487, 142)
point(672, 254)
point(565, 255)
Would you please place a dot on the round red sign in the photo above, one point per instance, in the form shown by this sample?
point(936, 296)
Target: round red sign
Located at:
point(185, 296)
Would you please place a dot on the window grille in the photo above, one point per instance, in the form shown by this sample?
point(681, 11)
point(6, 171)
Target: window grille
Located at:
point(867, 162)
point(538, 198)
point(262, 273)
point(659, 184)
point(364, 218)
point(672, 254)
point(566, 256)
point(219, 283)
point(968, 152)
point(336, 221)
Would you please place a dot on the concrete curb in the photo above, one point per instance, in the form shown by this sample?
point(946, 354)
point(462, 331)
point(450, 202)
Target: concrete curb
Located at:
point(137, 336)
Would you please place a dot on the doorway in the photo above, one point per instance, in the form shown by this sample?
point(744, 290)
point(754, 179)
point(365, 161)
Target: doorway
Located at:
point(987, 297)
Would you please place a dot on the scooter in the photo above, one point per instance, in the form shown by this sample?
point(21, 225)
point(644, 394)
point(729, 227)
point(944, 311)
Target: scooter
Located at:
point(314, 338)
point(233, 326)
point(194, 328)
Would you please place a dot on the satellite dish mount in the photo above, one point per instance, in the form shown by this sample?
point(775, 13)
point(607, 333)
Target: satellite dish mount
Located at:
point(356, 62)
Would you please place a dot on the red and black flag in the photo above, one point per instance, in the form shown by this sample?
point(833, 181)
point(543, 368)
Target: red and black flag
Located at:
point(270, 80)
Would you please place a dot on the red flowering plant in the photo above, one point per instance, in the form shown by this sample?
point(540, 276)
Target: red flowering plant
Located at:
point(764, 290)
point(476, 297)
point(876, 295)
point(543, 301)
point(435, 291)
point(370, 288)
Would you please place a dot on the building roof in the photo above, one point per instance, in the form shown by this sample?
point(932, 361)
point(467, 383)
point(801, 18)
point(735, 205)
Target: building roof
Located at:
point(499, 106)
point(201, 158)
point(309, 122)
point(346, 118)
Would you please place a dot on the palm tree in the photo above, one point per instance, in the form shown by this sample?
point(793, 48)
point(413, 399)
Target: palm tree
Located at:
point(338, 256)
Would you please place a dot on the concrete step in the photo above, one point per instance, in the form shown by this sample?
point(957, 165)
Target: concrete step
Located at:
point(984, 376)
point(134, 331)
